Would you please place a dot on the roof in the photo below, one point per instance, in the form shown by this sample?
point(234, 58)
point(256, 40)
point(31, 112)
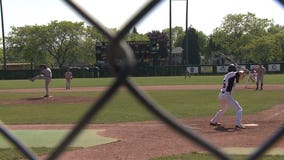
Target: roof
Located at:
point(177, 50)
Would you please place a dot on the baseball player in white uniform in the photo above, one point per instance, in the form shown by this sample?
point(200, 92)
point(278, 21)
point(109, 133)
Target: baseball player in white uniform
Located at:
point(187, 72)
point(259, 77)
point(46, 75)
point(251, 77)
point(227, 99)
point(68, 77)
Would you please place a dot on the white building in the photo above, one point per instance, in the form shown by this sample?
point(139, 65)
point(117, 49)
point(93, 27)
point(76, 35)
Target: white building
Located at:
point(177, 55)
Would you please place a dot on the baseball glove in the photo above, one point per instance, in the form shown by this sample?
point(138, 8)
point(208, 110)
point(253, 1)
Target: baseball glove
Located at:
point(243, 73)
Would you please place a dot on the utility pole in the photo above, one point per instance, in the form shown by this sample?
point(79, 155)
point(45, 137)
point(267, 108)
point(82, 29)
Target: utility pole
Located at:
point(170, 54)
point(3, 37)
point(186, 28)
point(186, 35)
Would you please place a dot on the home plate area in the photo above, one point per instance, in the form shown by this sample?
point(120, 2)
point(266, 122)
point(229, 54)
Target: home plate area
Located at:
point(251, 125)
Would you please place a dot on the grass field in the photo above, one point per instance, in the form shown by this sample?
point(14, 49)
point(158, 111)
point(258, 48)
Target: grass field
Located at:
point(198, 156)
point(180, 103)
point(124, 108)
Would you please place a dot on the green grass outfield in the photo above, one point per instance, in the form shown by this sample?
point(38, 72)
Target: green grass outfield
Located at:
point(199, 156)
point(124, 108)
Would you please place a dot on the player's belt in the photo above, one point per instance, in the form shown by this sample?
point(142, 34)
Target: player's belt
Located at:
point(226, 92)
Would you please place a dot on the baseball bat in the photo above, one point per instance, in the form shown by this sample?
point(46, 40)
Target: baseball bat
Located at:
point(240, 69)
point(230, 60)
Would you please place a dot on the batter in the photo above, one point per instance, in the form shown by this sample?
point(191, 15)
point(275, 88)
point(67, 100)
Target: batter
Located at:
point(226, 99)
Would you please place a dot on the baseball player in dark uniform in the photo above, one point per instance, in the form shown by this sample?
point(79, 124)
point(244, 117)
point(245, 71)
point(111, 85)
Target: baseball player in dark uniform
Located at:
point(226, 99)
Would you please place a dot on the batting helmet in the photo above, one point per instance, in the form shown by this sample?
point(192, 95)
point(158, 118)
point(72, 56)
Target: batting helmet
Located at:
point(232, 68)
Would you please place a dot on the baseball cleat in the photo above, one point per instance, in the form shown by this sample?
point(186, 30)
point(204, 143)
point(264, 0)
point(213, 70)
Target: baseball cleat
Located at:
point(240, 127)
point(215, 124)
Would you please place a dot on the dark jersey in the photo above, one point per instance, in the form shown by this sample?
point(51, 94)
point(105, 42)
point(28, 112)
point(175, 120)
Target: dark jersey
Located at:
point(229, 81)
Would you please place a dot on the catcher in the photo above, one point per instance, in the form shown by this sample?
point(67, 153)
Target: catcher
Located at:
point(225, 98)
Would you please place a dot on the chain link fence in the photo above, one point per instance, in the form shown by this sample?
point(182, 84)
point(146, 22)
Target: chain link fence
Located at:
point(122, 62)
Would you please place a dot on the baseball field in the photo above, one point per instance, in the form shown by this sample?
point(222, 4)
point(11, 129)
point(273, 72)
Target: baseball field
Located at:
point(125, 129)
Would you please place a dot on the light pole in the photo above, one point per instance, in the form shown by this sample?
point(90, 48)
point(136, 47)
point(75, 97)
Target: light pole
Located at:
point(186, 25)
point(186, 35)
point(170, 19)
point(3, 36)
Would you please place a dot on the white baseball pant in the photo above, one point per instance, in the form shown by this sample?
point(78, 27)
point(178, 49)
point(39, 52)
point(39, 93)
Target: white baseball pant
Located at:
point(226, 99)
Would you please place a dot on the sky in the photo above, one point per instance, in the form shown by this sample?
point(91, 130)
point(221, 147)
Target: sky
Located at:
point(203, 15)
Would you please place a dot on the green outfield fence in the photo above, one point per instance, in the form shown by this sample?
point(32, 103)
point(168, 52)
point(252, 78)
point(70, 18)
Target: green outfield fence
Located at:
point(119, 48)
point(139, 71)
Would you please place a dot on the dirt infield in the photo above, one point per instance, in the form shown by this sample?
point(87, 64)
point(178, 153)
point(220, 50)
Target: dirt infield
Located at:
point(144, 140)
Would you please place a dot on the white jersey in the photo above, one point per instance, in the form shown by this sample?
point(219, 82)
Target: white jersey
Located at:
point(68, 75)
point(47, 73)
point(226, 99)
point(260, 72)
point(229, 81)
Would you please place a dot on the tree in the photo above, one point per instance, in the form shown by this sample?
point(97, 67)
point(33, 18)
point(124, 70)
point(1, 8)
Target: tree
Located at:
point(1, 56)
point(159, 41)
point(177, 35)
point(1, 53)
point(279, 39)
point(63, 39)
point(135, 30)
point(26, 44)
point(91, 38)
point(193, 55)
point(203, 45)
point(56, 43)
point(136, 37)
point(266, 49)
point(238, 30)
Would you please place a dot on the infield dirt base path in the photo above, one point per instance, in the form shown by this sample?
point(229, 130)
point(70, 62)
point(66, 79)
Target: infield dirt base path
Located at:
point(145, 140)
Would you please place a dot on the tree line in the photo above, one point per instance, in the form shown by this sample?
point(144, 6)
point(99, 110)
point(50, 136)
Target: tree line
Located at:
point(244, 37)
